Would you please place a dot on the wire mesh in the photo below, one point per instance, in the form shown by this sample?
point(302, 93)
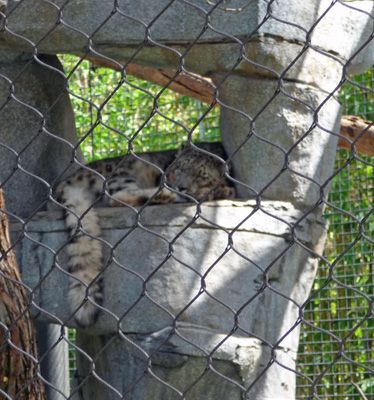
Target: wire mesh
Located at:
point(128, 108)
point(336, 348)
point(338, 309)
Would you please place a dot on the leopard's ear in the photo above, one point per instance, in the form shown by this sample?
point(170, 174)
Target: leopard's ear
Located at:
point(183, 147)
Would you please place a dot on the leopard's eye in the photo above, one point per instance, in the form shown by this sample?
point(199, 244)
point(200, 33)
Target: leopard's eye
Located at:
point(203, 179)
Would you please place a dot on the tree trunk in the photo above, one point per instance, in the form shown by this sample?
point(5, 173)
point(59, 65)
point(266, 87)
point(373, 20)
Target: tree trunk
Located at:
point(19, 376)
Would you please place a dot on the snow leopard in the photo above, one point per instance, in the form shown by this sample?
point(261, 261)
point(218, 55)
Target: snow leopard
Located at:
point(133, 180)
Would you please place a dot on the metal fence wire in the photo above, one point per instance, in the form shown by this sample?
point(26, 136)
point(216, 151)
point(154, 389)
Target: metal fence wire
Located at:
point(188, 293)
point(339, 308)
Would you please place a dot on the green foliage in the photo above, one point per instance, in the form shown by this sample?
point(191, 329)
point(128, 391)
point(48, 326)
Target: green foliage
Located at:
point(72, 360)
point(341, 325)
point(115, 112)
point(358, 96)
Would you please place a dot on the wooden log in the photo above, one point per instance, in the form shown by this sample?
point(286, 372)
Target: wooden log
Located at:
point(18, 353)
point(360, 132)
point(195, 86)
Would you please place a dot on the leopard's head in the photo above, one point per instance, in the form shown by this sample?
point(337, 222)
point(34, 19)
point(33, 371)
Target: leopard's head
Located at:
point(198, 175)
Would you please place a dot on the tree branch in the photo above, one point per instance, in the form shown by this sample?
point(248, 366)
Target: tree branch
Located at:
point(195, 86)
point(358, 131)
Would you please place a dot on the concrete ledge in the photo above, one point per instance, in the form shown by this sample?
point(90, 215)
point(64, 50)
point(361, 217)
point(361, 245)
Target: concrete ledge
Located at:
point(118, 33)
point(159, 267)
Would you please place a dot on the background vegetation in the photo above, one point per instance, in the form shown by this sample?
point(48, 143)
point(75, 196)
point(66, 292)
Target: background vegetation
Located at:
point(340, 312)
point(109, 116)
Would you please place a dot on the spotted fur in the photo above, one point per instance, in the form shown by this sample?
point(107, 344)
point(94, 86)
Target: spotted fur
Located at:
point(126, 181)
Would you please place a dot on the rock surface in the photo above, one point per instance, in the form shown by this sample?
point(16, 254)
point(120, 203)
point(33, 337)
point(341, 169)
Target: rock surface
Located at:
point(272, 42)
point(36, 114)
point(290, 138)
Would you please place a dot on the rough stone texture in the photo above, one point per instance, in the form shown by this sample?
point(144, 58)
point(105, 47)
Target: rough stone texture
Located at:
point(274, 45)
point(276, 139)
point(263, 243)
point(34, 116)
point(180, 364)
point(260, 240)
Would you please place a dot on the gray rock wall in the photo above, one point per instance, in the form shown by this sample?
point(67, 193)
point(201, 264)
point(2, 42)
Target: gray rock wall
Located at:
point(59, 28)
point(264, 255)
point(35, 114)
point(290, 144)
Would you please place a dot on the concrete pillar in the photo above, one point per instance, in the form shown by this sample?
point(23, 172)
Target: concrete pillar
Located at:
point(37, 129)
point(54, 353)
point(286, 149)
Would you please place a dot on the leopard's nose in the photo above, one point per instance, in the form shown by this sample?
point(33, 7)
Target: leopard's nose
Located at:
point(181, 198)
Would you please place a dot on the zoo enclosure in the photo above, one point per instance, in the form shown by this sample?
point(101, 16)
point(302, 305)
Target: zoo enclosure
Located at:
point(362, 376)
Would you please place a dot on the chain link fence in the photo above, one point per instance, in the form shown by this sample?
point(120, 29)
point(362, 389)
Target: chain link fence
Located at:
point(340, 307)
point(335, 308)
point(127, 108)
point(200, 299)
